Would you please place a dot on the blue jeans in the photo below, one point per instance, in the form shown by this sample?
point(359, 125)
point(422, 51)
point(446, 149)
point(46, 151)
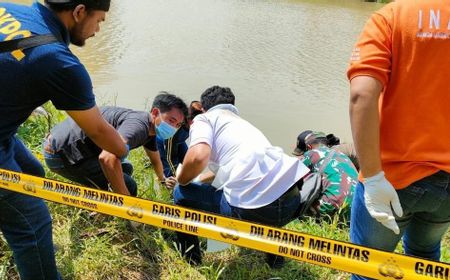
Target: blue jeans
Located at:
point(24, 220)
point(205, 197)
point(202, 197)
point(426, 218)
point(88, 172)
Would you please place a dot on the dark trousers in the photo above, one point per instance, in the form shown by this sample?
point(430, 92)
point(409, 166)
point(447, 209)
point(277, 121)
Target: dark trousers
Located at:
point(425, 220)
point(207, 198)
point(89, 173)
point(24, 220)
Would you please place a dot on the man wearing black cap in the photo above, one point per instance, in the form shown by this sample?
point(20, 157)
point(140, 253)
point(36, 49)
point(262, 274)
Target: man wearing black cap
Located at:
point(38, 66)
point(300, 147)
point(338, 174)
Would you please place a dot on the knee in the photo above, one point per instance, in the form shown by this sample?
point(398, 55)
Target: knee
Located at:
point(127, 167)
point(38, 170)
point(178, 196)
point(33, 167)
point(35, 223)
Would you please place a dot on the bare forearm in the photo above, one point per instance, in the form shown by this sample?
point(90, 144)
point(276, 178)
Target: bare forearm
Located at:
point(109, 139)
point(159, 170)
point(155, 159)
point(364, 118)
point(194, 163)
point(112, 169)
point(189, 171)
point(207, 177)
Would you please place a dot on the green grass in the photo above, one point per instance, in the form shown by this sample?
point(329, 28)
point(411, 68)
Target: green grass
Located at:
point(95, 246)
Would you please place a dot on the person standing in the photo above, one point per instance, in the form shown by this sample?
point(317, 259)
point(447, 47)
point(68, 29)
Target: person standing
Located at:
point(399, 118)
point(35, 71)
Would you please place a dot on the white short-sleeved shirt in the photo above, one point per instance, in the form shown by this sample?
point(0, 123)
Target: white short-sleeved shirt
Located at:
point(251, 172)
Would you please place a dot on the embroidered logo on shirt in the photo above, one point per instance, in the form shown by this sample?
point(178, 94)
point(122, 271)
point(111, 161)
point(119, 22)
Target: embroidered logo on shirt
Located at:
point(432, 24)
point(10, 27)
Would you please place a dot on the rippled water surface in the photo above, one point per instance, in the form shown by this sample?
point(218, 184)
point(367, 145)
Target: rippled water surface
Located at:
point(284, 60)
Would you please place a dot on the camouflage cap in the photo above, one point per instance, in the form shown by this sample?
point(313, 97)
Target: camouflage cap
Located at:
point(314, 136)
point(305, 138)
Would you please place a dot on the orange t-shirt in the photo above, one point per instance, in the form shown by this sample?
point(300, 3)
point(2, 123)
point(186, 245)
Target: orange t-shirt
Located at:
point(406, 46)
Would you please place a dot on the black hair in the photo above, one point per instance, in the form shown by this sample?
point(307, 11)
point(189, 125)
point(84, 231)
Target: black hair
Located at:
point(332, 140)
point(216, 95)
point(195, 108)
point(67, 5)
point(165, 102)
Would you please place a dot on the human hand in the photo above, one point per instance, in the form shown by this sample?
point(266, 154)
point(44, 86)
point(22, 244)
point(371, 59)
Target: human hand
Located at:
point(171, 182)
point(379, 196)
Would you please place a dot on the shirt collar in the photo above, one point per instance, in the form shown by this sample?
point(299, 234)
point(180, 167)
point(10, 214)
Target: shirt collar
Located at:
point(228, 107)
point(53, 22)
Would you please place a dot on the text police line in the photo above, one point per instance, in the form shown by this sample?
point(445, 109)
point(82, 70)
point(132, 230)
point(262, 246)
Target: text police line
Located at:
point(299, 246)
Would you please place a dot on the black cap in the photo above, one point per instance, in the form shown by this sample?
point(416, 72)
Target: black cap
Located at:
point(300, 148)
point(308, 137)
point(90, 4)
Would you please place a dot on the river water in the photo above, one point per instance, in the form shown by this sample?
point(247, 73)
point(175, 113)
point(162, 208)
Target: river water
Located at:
point(285, 60)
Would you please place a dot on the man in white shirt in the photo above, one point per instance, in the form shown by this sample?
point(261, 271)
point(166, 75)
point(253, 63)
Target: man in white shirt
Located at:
point(253, 180)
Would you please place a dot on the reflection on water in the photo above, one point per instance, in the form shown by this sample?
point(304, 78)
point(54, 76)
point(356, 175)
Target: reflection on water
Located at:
point(285, 60)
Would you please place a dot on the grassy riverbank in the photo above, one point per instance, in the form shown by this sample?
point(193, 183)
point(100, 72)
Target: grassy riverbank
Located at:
point(96, 246)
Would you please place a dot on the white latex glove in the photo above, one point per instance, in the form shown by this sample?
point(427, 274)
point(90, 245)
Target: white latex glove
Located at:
point(379, 196)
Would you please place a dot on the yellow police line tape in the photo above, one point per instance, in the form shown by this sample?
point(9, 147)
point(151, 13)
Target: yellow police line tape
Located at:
point(299, 246)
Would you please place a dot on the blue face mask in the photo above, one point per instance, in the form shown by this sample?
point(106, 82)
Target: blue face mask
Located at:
point(165, 130)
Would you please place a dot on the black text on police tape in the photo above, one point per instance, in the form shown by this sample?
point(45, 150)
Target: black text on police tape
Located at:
point(94, 195)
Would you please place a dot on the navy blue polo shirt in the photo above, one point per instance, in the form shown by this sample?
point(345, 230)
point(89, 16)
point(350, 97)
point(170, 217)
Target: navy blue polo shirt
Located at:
point(33, 76)
point(173, 150)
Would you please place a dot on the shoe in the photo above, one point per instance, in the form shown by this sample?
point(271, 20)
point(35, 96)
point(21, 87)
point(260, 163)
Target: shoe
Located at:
point(189, 247)
point(274, 261)
point(193, 256)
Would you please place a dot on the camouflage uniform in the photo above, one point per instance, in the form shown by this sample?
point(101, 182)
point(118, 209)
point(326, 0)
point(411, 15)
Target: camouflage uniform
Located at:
point(339, 179)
